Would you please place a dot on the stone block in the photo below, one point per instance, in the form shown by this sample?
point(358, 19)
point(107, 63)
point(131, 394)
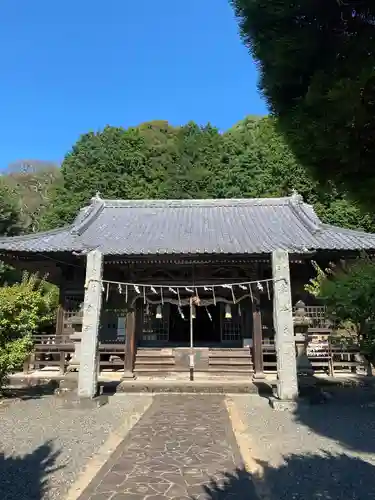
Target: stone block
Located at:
point(68, 385)
point(71, 401)
point(283, 404)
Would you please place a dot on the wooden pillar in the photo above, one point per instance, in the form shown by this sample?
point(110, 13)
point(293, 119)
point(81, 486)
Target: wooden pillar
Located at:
point(287, 385)
point(88, 370)
point(130, 343)
point(257, 337)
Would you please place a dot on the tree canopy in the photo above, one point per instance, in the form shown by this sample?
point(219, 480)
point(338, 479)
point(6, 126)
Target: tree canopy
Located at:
point(317, 63)
point(29, 185)
point(348, 292)
point(156, 160)
point(9, 216)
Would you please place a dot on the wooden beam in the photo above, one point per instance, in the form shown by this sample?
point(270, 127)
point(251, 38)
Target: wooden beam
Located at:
point(257, 337)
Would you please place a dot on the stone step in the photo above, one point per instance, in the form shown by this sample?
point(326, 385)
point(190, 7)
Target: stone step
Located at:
point(157, 361)
point(229, 349)
point(154, 368)
point(231, 369)
point(154, 359)
point(154, 354)
point(230, 361)
point(187, 387)
point(157, 372)
point(231, 354)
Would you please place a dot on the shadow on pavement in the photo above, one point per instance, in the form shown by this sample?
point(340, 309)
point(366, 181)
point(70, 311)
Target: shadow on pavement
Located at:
point(301, 477)
point(237, 485)
point(264, 389)
point(347, 417)
point(25, 393)
point(25, 478)
point(321, 477)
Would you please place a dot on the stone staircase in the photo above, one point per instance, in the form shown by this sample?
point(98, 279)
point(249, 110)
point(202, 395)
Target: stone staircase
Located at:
point(215, 362)
point(154, 362)
point(230, 362)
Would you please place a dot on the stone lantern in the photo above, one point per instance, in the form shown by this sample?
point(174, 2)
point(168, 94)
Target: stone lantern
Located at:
point(301, 326)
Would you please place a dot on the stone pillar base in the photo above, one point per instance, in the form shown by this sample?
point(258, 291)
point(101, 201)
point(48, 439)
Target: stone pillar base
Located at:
point(68, 384)
point(283, 404)
point(127, 375)
point(259, 376)
point(72, 401)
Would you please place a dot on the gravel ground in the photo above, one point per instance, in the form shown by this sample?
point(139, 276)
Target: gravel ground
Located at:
point(324, 452)
point(43, 446)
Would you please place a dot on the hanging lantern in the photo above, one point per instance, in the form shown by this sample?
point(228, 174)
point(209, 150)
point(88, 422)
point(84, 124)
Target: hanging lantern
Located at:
point(159, 312)
point(228, 312)
point(193, 311)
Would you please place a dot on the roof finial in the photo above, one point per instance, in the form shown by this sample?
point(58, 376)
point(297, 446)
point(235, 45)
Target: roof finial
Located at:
point(97, 197)
point(296, 197)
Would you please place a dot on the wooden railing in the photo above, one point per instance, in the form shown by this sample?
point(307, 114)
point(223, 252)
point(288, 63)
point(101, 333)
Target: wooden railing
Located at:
point(52, 351)
point(323, 356)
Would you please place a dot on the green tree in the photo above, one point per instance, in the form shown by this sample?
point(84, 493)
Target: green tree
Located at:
point(25, 308)
point(111, 161)
point(348, 291)
point(10, 223)
point(318, 76)
point(197, 163)
point(260, 163)
point(33, 182)
point(155, 160)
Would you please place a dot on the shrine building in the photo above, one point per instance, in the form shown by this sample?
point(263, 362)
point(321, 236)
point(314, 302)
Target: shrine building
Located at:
point(182, 285)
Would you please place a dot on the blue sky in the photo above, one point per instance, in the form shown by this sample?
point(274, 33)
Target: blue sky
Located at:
point(70, 66)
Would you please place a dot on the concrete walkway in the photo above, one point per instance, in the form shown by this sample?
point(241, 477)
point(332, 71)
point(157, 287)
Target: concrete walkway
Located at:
point(183, 447)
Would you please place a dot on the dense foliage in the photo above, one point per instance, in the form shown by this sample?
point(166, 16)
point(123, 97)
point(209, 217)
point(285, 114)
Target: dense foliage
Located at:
point(10, 223)
point(156, 160)
point(32, 183)
point(26, 304)
point(317, 63)
point(25, 308)
point(348, 291)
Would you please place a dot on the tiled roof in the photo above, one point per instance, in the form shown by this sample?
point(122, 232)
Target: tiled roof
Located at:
point(156, 227)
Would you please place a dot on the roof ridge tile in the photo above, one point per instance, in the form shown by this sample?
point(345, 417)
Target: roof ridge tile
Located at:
point(207, 202)
point(223, 226)
point(93, 211)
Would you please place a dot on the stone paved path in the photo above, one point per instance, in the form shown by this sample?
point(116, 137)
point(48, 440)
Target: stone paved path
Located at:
point(182, 448)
